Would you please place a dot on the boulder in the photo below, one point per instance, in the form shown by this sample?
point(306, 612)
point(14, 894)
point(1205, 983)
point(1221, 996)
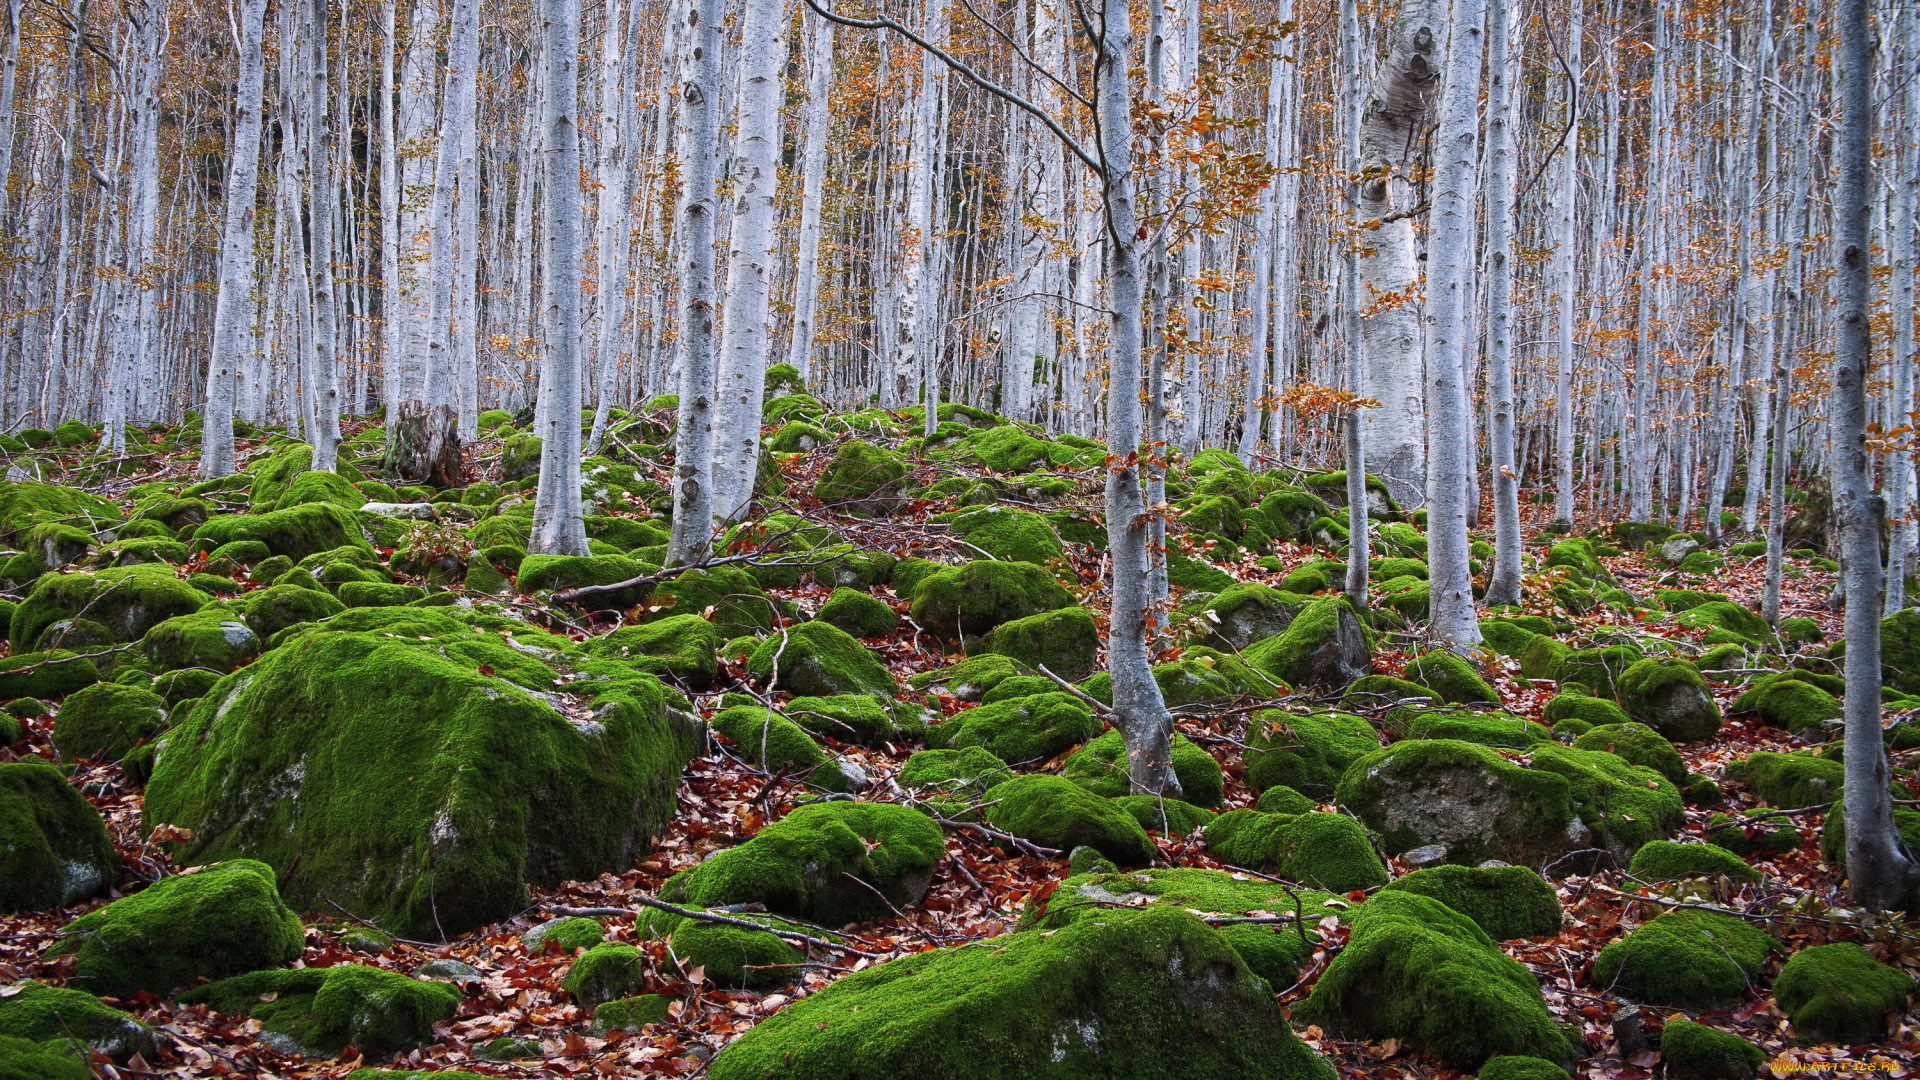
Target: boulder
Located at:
point(820, 660)
point(40, 1013)
point(21, 1059)
point(1305, 751)
point(1637, 744)
point(682, 647)
point(728, 596)
point(1789, 781)
point(1676, 548)
point(858, 613)
point(1065, 642)
point(274, 609)
point(776, 744)
point(1840, 993)
point(1664, 860)
point(106, 721)
point(1507, 902)
point(1058, 813)
point(1668, 695)
point(1685, 958)
point(975, 597)
point(206, 639)
point(570, 932)
point(971, 770)
point(605, 973)
point(1448, 675)
point(1101, 767)
point(318, 1012)
point(54, 847)
point(45, 674)
point(1002, 532)
point(1694, 1051)
point(1324, 645)
point(1016, 730)
point(1118, 994)
point(1463, 796)
point(1247, 612)
point(1330, 852)
point(1624, 806)
point(128, 601)
point(862, 479)
point(296, 532)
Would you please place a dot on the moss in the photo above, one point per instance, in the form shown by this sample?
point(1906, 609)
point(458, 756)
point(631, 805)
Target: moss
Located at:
point(1505, 901)
point(777, 744)
point(1762, 838)
point(547, 573)
point(1422, 973)
point(1725, 615)
point(570, 933)
point(1697, 1052)
point(820, 660)
point(1007, 449)
point(1101, 767)
point(1685, 958)
point(908, 573)
point(1791, 704)
point(1313, 577)
point(320, 487)
point(324, 1010)
point(106, 720)
point(379, 594)
point(43, 1014)
point(1065, 642)
point(1900, 650)
point(1638, 744)
point(605, 972)
point(1598, 669)
point(1668, 695)
point(273, 610)
point(1326, 851)
point(1789, 781)
point(631, 1013)
point(1626, 806)
point(127, 600)
point(1839, 993)
point(1383, 689)
point(1464, 796)
point(1054, 812)
point(682, 647)
point(858, 613)
point(1169, 816)
point(54, 848)
point(800, 865)
point(1005, 533)
point(21, 1059)
point(975, 597)
point(75, 433)
point(1246, 612)
point(1412, 597)
point(1506, 637)
point(205, 639)
point(1521, 1067)
point(972, 678)
point(1485, 728)
point(143, 550)
point(1448, 675)
point(1590, 710)
point(861, 478)
point(971, 770)
point(1544, 657)
point(845, 566)
point(1306, 752)
point(1579, 556)
point(1325, 645)
point(739, 607)
point(1664, 860)
point(296, 532)
point(864, 719)
point(218, 921)
point(1021, 729)
point(416, 781)
point(734, 956)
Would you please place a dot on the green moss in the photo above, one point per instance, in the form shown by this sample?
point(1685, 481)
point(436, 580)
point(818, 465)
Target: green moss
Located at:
point(107, 720)
point(1638, 744)
point(820, 660)
point(1101, 767)
point(864, 719)
point(974, 677)
point(777, 744)
point(1521, 1067)
point(861, 478)
point(1065, 642)
point(324, 1010)
point(800, 864)
point(1325, 645)
point(858, 613)
point(1306, 752)
point(1544, 657)
point(1697, 1052)
point(1018, 730)
point(1326, 851)
point(21, 1059)
point(207, 638)
point(218, 921)
point(1417, 971)
point(846, 566)
point(1486, 728)
point(1626, 806)
point(1465, 796)
point(1767, 837)
point(1313, 577)
point(548, 573)
point(734, 956)
point(631, 1013)
point(1725, 615)
point(320, 487)
point(1505, 901)
point(1839, 993)
point(415, 788)
point(1590, 710)
point(971, 770)
point(1685, 958)
point(1579, 556)
point(127, 600)
point(739, 607)
point(1789, 781)
point(1668, 695)
point(1663, 860)
point(1384, 689)
point(975, 597)
point(1169, 816)
point(296, 532)
point(1791, 704)
point(273, 610)
point(1505, 636)
point(75, 433)
point(1153, 992)
point(1412, 597)
point(43, 1014)
point(1005, 533)
point(1007, 449)
point(1448, 675)
point(1598, 669)
point(1280, 799)
point(570, 933)
point(682, 647)
point(54, 848)
point(1246, 612)
point(908, 573)
point(605, 972)
point(1058, 813)
point(379, 594)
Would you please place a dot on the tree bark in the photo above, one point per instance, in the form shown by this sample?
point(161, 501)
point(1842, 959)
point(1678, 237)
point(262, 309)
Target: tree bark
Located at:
point(699, 152)
point(234, 302)
point(423, 446)
point(1503, 583)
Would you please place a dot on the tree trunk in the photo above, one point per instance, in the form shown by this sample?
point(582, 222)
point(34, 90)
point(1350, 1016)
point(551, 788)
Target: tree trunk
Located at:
point(423, 446)
point(234, 304)
point(322, 387)
point(1359, 543)
point(813, 179)
point(699, 152)
point(1902, 534)
point(1503, 583)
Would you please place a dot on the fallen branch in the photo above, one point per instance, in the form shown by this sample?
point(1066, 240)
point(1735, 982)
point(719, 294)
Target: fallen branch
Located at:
point(719, 920)
point(1098, 706)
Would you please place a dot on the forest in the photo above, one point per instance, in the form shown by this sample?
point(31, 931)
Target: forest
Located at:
point(835, 539)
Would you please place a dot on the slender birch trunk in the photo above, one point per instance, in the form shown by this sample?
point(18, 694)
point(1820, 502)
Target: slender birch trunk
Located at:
point(321, 383)
point(559, 524)
point(1902, 533)
point(234, 304)
point(699, 150)
point(456, 117)
point(1359, 542)
point(813, 179)
point(1503, 583)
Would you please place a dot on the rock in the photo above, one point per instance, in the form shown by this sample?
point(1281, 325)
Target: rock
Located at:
point(1677, 547)
point(54, 848)
point(738, 606)
point(1003, 532)
point(1463, 796)
point(205, 639)
point(1668, 695)
point(508, 1049)
point(570, 932)
point(40, 1013)
point(1053, 812)
point(775, 743)
point(553, 573)
point(448, 969)
point(1507, 902)
point(1664, 860)
point(1500, 729)
point(1589, 710)
point(1638, 744)
point(1451, 677)
point(820, 660)
point(1162, 815)
point(975, 597)
point(1325, 645)
point(1417, 971)
point(1697, 1052)
point(1065, 642)
point(127, 600)
point(733, 956)
point(362, 594)
point(1789, 781)
point(1790, 703)
point(1330, 852)
point(970, 771)
point(631, 1013)
point(418, 511)
point(1153, 992)
point(317, 1012)
point(1685, 958)
point(974, 677)
point(21, 1059)
point(1248, 612)
point(1306, 752)
point(296, 532)
point(1101, 767)
point(1839, 993)
point(216, 921)
point(1430, 855)
point(274, 609)
point(365, 939)
point(861, 479)
point(681, 647)
point(421, 783)
point(858, 613)
point(1900, 650)
point(1022, 729)
point(805, 864)
point(45, 674)
point(1625, 806)
point(106, 720)
point(1599, 670)
point(1521, 1067)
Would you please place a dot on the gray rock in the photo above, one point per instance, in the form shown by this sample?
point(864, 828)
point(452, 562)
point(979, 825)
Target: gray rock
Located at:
point(444, 968)
point(411, 511)
point(1678, 547)
point(1429, 855)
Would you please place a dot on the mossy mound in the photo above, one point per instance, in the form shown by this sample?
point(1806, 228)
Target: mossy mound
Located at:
point(681, 647)
point(820, 660)
point(106, 720)
point(858, 613)
point(1485, 728)
point(212, 639)
point(1101, 767)
point(1325, 851)
point(1793, 704)
point(631, 1013)
point(1839, 993)
point(1697, 1052)
point(1247, 612)
point(776, 744)
point(865, 719)
point(1324, 645)
point(1065, 641)
point(1685, 958)
point(1003, 532)
point(733, 956)
point(1789, 781)
point(418, 783)
point(1626, 806)
point(128, 600)
point(1766, 837)
point(605, 972)
point(1466, 797)
point(296, 532)
point(1664, 860)
point(1505, 901)
point(1521, 1067)
point(1119, 994)
point(1306, 752)
point(1589, 710)
point(24, 1060)
point(738, 606)
point(43, 1014)
point(975, 597)
point(570, 933)
point(971, 770)
point(1022, 729)
point(1638, 744)
point(800, 865)
point(218, 921)
point(1668, 695)
point(551, 573)
point(1163, 815)
point(1418, 971)
point(1452, 678)
point(321, 1011)
point(862, 478)
point(54, 847)
point(274, 609)
point(973, 678)
point(1058, 813)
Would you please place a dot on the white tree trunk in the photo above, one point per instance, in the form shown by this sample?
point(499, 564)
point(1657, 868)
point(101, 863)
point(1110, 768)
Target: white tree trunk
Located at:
point(233, 307)
point(1503, 584)
point(1901, 531)
point(411, 316)
point(813, 181)
point(456, 118)
point(1359, 543)
point(322, 386)
point(699, 148)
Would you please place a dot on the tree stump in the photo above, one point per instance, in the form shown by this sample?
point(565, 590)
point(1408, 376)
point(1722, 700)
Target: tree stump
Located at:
point(423, 446)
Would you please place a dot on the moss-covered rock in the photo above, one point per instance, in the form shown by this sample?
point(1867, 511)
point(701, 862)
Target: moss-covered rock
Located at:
point(1447, 674)
point(975, 597)
point(738, 606)
point(777, 744)
point(865, 719)
point(1325, 851)
point(682, 647)
point(274, 609)
point(1626, 806)
point(973, 678)
point(568, 933)
point(1324, 645)
point(1638, 744)
point(1101, 767)
point(862, 478)
point(1521, 1067)
point(800, 865)
point(858, 613)
point(1120, 993)
point(1663, 860)
point(630, 1013)
point(970, 771)
point(1794, 704)
point(1023, 729)
point(1668, 695)
point(43, 1014)
point(1003, 532)
point(1584, 707)
point(1725, 615)
point(1505, 901)
point(1486, 728)
point(127, 600)
point(1247, 612)
point(1163, 815)
point(419, 783)
point(54, 848)
point(21, 1059)
point(820, 660)
point(1065, 642)
point(211, 639)
point(1686, 958)
point(1694, 1051)
point(1789, 781)
point(1058, 813)
point(106, 720)
point(379, 594)
point(46, 674)
point(296, 532)
point(1305, 751)
point(1462, 796)
point(1579, 556)
point(605, 972)
point(1418, 971)
point(1839, 993)
point(548, 573)
point(220, 920)
point(321, 1011)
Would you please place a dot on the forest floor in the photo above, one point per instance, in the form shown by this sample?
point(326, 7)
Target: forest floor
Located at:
point(978, 891)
